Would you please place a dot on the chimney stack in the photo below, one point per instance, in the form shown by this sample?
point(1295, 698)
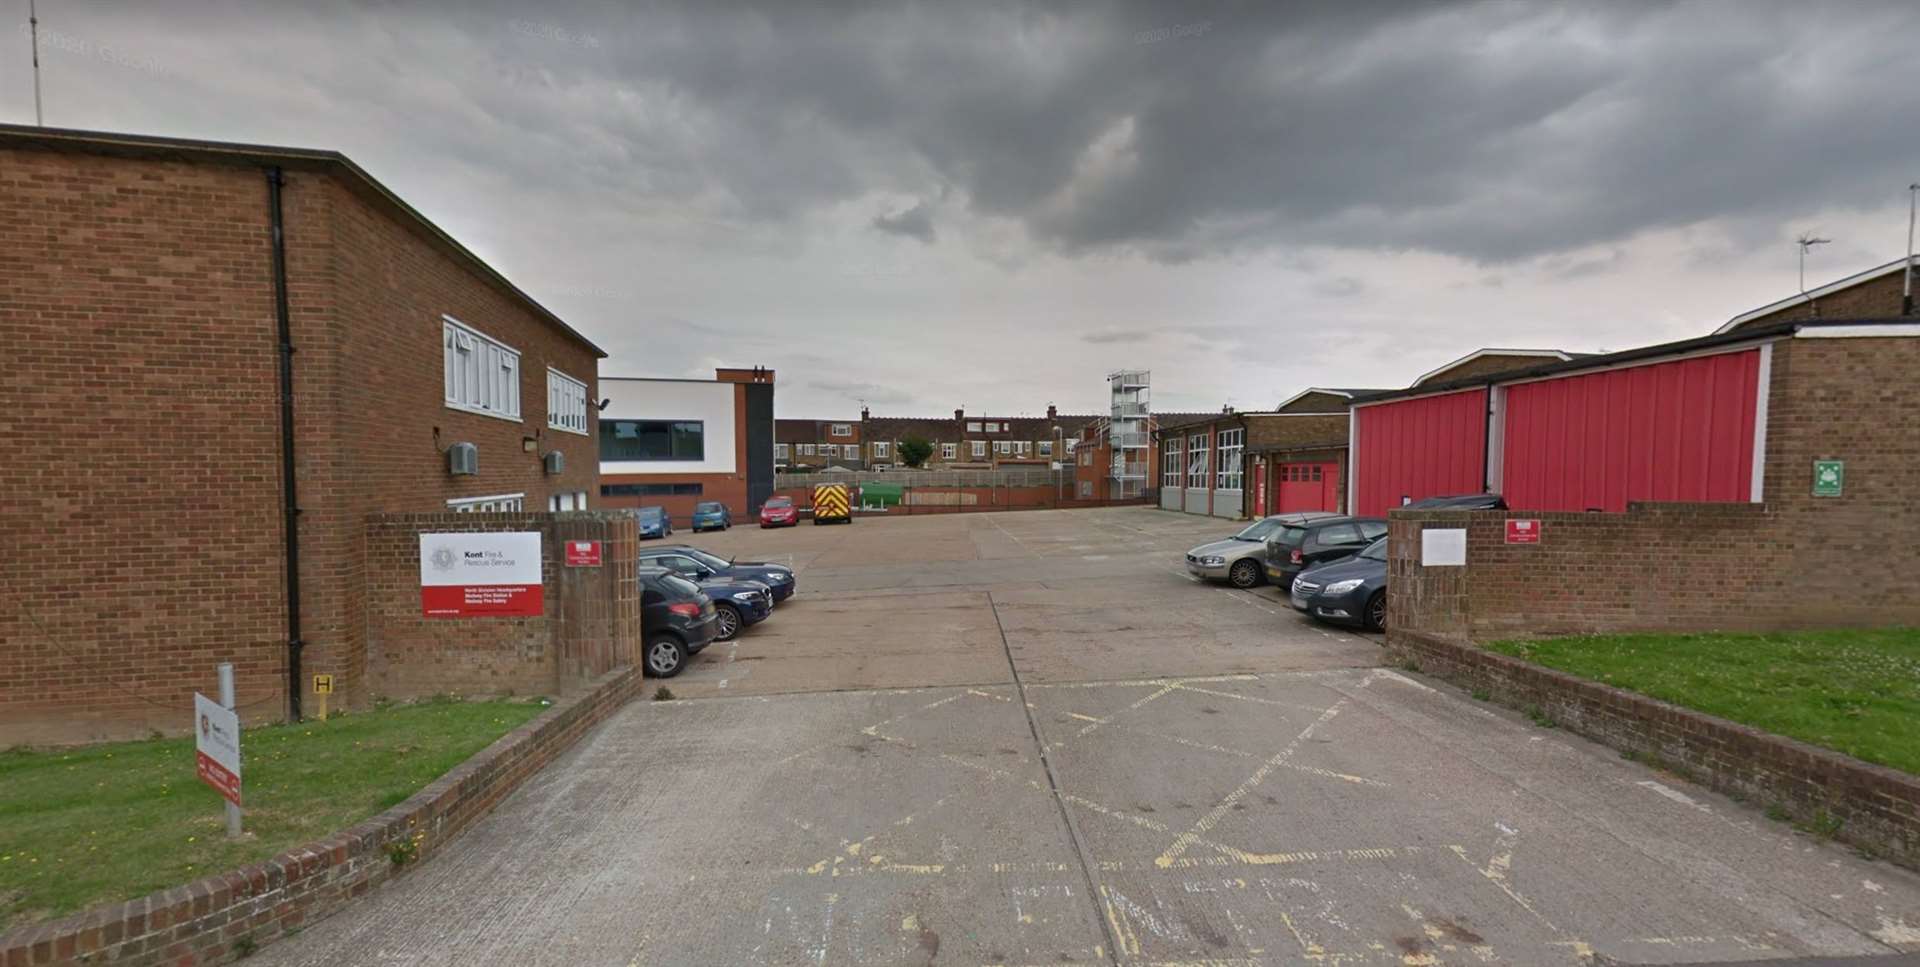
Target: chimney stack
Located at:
point(1052, 414)
point(959, 415)
point(864, 413)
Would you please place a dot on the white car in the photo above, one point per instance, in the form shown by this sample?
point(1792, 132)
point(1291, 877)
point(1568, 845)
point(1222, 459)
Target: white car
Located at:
point(1237, 560)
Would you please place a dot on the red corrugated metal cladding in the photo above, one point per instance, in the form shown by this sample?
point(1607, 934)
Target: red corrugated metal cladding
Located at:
point(1424, 447)
point(1676, 431)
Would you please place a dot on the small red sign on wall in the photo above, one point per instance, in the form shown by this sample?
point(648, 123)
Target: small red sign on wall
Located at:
point(1523, 532)
point(583, 553)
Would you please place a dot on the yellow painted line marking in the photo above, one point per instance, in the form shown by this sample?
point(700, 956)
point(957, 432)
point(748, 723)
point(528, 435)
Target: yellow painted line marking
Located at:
point(1253, 782)
point(1123, 934)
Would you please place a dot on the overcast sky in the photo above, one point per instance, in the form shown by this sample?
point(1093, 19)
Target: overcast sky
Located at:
point(993, 205)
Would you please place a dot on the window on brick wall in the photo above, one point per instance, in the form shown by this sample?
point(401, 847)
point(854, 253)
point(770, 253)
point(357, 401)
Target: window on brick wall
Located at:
point(1232, 444)
point(806, 449)
point(882, 451)
point(973, 426)
point(840, 429)
point(779, 451)
point(1086, 488)
point(496, 504)
point(573, 501)
point(949, 451)
point(566, 403)
point(1171, 469)
point(1046, 448)
point(482, 374)
point(1003, 447)
point(1197, 461)
point(979, 448)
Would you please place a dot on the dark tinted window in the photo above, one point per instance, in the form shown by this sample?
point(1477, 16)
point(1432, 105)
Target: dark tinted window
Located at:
point(1371, 529)
point(1290, 536)
point(779, 502)
point(650, 490)
point(651, 513)
point(1376, 551)
point(705, 506)
point(1336, 534)
point(652, 440)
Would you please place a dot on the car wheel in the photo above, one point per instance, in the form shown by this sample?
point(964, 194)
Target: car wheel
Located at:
point(727, 622)
point(1244, 574)
point(666, 656)
point(1376, 615)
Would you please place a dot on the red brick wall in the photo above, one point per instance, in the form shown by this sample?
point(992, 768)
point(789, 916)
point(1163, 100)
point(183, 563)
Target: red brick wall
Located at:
point(1794, 561)
point(139, 507)
point(146, 517)
point(1873, 299)
point(591, 625)
point(728, 488)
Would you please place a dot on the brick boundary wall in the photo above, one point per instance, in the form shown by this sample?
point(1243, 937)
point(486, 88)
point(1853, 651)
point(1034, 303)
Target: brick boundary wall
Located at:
point(204, 922)
point(1878, 808)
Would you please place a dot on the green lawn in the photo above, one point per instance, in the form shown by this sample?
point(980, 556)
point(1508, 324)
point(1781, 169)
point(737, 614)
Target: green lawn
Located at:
point(1854, 691)
point(114, 822)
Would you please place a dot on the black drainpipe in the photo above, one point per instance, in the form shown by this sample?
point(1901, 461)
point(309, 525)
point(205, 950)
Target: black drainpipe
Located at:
point(1486, 451)
point(291, 504)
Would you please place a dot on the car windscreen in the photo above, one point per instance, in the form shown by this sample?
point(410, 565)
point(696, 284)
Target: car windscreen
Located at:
point(708, 559)
point(706, 506)
point(1376, 551)
point(1258, 530)
point(651, 513)
point(780, 503)
point(679, 585)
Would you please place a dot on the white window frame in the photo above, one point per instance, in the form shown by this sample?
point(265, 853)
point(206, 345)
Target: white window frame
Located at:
point(566, 402)
point(973, 426)
point(949, 451)
point(805, 449)
point(830, 450)
point(840, 429)
point(493, 504)
point(1046, 448)
point(1198, 447)
point(993, 427)
point(1173, 468)
point(979, 448)
point(1003, 448)
point(1072, 445)
point(780, 451)
point(479, 374)
point(882, 451)
point(1229, 475)
point(560, 503)
point(1024, 448)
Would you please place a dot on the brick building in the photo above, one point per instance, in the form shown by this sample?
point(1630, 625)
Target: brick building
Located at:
point(1877, 293)
point(801, 445)
point(144, 284)
point(976, 442)
point(673, 443)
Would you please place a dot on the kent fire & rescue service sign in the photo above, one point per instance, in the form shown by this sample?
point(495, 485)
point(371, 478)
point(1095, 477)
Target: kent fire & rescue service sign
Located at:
point(481, 575)
point(216, 747)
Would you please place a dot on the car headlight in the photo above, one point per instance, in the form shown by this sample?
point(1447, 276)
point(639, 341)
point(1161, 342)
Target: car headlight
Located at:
point(745, 595)
point(781, 577)
point(1342, 587)
point(1213, 561)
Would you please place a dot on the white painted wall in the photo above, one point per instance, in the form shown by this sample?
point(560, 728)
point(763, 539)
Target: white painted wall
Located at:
point(674, 399)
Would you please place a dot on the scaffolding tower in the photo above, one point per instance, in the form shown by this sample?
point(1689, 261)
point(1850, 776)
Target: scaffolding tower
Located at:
point(1128, 432)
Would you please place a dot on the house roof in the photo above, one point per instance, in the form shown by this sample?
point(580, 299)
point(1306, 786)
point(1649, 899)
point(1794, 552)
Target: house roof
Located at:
point(946, 429)
point(354, 177)
point(1309, 391)
point(1479, 353)
point(1877, 272)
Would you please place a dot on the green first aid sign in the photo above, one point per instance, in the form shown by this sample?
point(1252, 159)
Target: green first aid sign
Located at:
point(1829, 476)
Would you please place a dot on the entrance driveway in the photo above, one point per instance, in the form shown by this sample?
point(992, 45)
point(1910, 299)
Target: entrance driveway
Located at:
point(1029, 738)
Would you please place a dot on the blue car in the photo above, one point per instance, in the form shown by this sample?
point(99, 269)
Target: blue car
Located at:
point(694, 563)
point(738, 604)
point(654, 522)
point(1349, 591)
point(711, 515)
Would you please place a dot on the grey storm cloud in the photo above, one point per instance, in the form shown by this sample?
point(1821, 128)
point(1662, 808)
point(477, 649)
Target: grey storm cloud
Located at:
point(914, 222)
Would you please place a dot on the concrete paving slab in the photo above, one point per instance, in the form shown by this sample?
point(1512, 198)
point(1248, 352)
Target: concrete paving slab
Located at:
point(1177, 774)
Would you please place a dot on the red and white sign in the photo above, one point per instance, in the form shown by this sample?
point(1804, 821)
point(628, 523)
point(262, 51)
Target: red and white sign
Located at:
point(583, 553)
point(481, 575)
point(216, 747)
point(1523, 532)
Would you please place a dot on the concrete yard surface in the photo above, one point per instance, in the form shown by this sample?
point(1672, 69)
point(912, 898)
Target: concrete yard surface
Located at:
point(1044, 744)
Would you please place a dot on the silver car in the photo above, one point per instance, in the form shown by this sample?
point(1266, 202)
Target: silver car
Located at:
point(1237, 560)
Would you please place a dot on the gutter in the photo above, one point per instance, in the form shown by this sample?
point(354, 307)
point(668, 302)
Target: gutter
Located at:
point(290, 505)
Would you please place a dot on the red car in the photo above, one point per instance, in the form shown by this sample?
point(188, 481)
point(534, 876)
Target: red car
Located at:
point(779, 512)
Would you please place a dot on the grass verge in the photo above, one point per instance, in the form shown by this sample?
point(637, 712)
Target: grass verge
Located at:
point(113, 822)
point(1854, 691)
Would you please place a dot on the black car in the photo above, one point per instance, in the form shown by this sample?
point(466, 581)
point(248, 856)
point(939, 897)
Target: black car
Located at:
point(1296, 547)
point(700, 565)
point(1460, 502)
point(677, 619)
point(738, 604)
point(1350, 591)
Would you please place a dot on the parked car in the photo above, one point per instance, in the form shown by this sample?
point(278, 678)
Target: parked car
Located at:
point(1237, 560)
point(738, 604)
point(699, 565)
point(1460, 502)
point(677, 619)
point(1295, 547)
point(654, 522)
point(1349, 591)
point(711, 515)
point(779, 512)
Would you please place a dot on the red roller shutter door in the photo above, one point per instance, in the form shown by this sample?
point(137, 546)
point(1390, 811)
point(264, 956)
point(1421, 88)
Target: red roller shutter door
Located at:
point(1676, 431)
point(1308, 486)
point(1424, 447)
